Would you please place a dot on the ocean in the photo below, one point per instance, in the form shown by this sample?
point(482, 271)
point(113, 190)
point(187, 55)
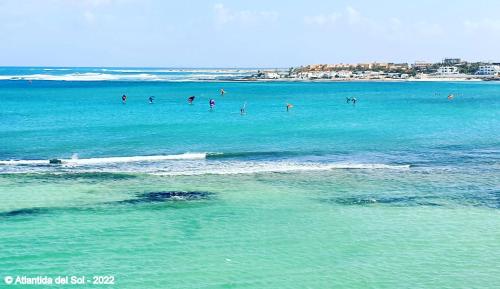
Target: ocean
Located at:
point(399, 190)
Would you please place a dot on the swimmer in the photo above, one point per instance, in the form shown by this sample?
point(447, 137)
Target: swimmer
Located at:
point(211, 103)
point(288, 106)
point(124, 99)
point(222, 92)
point(347, 99)
point(191, 99)
point(354, 100)
point(151, 99)
point(243, 109)
point(450, 96)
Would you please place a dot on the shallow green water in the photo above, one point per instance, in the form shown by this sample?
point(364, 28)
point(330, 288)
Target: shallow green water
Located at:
point(257, 231)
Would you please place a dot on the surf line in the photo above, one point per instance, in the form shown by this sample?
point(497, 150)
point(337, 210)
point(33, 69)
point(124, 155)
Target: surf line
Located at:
point(104, 160)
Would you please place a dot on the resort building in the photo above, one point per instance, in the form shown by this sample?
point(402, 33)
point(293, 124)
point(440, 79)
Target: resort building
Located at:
point(447, 70)
point(488, 70)
point(395, 75)
point(397, 66)
point(271, 75)
point(365, 65)
point(373, 65)
point(338, 66)
point(391, 70)
point(344, 74)
point(382, 65)
point(422, 64)
point(452, 61)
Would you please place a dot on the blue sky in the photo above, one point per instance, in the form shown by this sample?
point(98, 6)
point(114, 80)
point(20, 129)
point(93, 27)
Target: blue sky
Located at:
point(236, 33)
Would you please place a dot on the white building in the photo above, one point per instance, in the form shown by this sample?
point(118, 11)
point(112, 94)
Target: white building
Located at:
point(488, 70)
point(447, 70)
point(271, 75)
point(344, 74)
point(422, 64)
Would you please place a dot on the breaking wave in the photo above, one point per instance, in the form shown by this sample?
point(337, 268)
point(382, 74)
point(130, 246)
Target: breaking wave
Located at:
point(108, 160)
point(199, 163)
point(108, 74)
point(88, 76)
point(236, 168)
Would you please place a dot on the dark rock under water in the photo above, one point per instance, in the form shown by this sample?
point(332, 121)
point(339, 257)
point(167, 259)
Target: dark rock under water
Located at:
point(164, 196)
point(394, 201)
point(24, 212)
point(489, 199)
point(141, 198)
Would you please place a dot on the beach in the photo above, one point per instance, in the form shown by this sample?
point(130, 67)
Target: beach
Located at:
point(399, 190)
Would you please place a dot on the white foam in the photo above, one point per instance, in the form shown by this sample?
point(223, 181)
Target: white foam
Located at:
point(88, 76)
point(57, 69)
point(74, 160)
point(235, 168)
point(183, 165)
point(8, 77)
point(133, 75)
point(24, 162)
point(213, 71)
point(96, 161)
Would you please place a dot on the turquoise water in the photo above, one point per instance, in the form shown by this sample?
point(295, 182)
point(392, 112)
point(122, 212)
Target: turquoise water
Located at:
point(400, 190)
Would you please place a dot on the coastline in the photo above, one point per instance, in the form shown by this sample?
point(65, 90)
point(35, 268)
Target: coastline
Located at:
point(214, 75)
point(365, 80)
point(262, 80)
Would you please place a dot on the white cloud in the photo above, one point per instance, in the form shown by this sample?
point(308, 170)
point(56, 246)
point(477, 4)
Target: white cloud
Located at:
point(392, 28)
point(322, 19)
point(350, 16)
point(428, 29)
point(484, 24)
point(86, 3)
point(353, 15)
point(94, 10)
point(89, 17)
point(96, 3)
point(394, 21)
point(224, 15)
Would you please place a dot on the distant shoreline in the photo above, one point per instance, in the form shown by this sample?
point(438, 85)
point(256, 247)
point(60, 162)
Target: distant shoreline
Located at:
point(262, 80)
point(221, 75)
point(363, 80)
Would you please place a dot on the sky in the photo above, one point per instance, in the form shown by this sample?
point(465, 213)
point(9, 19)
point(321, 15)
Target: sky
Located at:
point(239, 33)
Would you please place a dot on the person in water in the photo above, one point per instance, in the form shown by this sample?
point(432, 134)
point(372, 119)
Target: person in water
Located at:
point(354, 100)
point(211, 103)
point(124, 99)
point(151, 99)
point(348, 99)
point(191, 99)
point(450, 97)
point(243, 109)
point(222, 92)
point(289, 106)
